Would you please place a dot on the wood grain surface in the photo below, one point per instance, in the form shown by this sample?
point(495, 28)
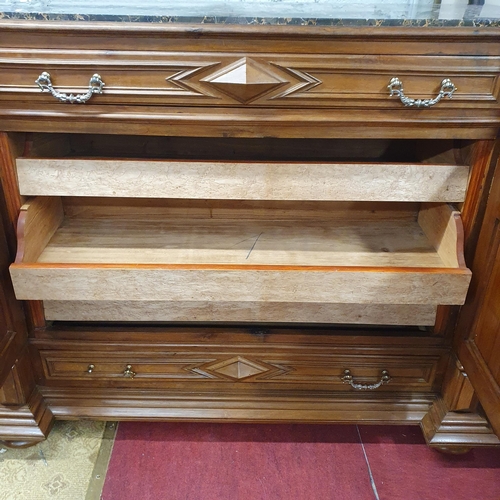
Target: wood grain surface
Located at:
point(240, 312)
point(241, 283)
point(244, 180)
point(38, 220)
point(246, 242)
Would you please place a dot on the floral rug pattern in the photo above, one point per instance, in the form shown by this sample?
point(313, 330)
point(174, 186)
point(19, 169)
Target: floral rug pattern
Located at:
point(60, 468)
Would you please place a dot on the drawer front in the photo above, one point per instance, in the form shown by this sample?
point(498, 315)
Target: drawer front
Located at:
point(242, 361)
point(260, 284)
point(260, 369)
point(255, 80)
point(229, 81)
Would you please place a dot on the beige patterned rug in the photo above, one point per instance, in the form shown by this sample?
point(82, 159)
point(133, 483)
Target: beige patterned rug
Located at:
point(70, 465)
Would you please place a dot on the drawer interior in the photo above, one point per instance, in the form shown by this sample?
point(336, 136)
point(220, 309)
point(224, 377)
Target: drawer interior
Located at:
point(372, 241)
point(258, 262)
point(86, 231)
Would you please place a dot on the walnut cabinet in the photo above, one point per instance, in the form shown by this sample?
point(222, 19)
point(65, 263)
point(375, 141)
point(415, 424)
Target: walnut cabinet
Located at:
point(250, 224)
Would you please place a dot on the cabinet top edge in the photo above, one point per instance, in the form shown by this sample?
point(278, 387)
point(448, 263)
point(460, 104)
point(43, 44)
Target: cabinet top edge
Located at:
point(490, 31)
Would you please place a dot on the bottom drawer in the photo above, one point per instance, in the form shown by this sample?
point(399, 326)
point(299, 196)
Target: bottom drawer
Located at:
point(246, 362)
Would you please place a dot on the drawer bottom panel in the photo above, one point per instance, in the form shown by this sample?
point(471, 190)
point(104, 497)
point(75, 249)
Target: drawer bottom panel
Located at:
point(262, 312)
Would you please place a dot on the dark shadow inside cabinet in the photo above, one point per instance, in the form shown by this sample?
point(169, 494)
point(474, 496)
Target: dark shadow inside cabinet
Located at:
point(264, 149)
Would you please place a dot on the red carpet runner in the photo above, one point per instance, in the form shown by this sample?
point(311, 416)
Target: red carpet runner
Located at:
point(190, 461)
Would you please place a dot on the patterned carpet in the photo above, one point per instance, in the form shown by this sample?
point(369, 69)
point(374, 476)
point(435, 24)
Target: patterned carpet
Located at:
point(70, 465)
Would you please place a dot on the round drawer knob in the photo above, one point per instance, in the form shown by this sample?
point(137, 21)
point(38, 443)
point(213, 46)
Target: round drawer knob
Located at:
point(128, 372)
point(90, 368)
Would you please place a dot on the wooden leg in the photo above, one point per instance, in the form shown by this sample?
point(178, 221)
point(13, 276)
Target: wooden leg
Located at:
point(19, 444)
point(453, 450)
point(26, 426)
point(451, 430)
point(452, 425)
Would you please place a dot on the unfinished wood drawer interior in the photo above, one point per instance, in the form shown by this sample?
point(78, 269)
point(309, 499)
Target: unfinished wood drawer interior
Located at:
point(245, 241)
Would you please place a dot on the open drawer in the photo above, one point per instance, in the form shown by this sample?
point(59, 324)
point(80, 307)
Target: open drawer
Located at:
point(218, 260)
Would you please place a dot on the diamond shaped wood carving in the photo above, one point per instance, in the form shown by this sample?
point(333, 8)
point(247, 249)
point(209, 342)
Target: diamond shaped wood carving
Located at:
point(238, 368)
point(245, 80)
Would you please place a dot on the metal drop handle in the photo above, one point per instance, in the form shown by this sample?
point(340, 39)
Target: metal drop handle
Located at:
point(95, 87)
point(128, 372)
point(396, 89)
point(347, 378)
point(90, 368)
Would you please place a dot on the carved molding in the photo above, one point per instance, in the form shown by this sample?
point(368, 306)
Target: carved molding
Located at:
point(27, 425)
point(305, 83)
point(186, 79)
point(238, 405)
point(444, 428)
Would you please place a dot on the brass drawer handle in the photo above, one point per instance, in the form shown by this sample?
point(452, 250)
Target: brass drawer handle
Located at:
point(128, 372)
point(95, 87)
point(347, 378)
point(396, 88)
point(90, 368)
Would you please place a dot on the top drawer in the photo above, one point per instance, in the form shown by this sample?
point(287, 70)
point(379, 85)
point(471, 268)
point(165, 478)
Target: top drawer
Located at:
point(254, 82)
point(262, 80)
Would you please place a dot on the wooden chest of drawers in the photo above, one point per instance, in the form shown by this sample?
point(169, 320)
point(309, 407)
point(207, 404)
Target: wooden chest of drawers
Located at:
point(246, 223)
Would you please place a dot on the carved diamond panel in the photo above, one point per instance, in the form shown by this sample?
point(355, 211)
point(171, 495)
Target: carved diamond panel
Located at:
point(238, 368)
point(245, 80)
